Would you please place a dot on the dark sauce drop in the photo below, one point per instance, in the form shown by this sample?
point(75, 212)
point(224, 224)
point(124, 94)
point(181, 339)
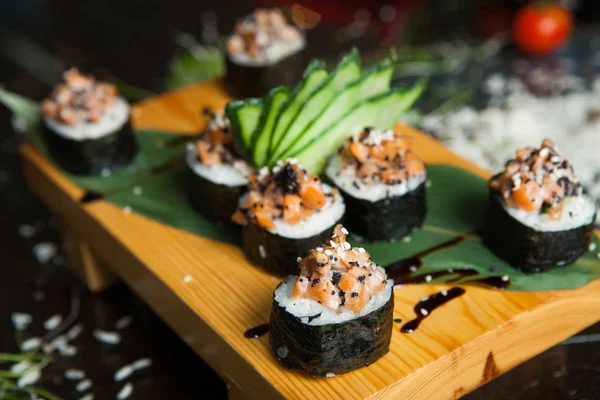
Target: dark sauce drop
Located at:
point(498, 282)
point(425, 307)
point(257, 331)
point(402, 268)
point(90, 196)
point(398, 320)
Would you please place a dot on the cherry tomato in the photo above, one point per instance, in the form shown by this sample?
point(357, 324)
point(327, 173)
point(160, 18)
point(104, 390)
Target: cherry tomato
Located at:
point(542, 28)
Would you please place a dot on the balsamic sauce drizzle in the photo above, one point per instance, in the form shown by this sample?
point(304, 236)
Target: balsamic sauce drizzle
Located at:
point(90, 196)
point(402, 271)
point(257, 331)
point(427, 305)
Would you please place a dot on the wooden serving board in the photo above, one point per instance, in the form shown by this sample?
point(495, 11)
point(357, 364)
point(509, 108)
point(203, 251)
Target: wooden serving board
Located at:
point(460, 346)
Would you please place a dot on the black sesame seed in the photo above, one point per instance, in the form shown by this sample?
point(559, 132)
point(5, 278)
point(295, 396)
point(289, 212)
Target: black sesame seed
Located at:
point(398, 320)
point(333, 292)
point(316, 281)
point(335, 278)
point(354, 294)
point(361, 278)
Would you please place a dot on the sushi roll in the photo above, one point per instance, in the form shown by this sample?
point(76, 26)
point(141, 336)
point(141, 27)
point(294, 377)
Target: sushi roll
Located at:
point(336, 315)
point(263, 52)
point(217, 174)
point(287, 211)
point(86, 126)
point(383, 184)
point(538, 217)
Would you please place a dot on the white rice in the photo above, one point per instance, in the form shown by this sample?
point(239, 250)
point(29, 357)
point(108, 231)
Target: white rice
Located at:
point(275, 52)
point(44, 251)
point(305, 308)
point(222, 174)
point(123, 322)
point(577, 212)
point(516, 118)
point(373, 191)
point(113, 119)
point(320, 221)
point(33, 343)
point(29, 378)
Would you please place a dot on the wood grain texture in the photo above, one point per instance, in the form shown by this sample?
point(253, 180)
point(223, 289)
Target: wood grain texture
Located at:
point(460, 346)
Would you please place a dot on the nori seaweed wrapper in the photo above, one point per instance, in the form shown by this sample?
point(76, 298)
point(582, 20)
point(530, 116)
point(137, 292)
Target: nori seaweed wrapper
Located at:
point(387, 219)
point(332, 348)
point(527, 249)
point(215, 202)
point(91, 156)
point(280, 253)
point(256, 81)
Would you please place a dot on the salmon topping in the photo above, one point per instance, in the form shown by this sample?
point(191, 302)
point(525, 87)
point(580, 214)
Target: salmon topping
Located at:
point(287, 192)
point(256, 32)
point(537, 180)
point(336, 274)
point(216, 146)
point(79, 99)
point(376, 156)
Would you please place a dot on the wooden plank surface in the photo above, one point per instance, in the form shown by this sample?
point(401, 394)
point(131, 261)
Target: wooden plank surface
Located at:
point(459, 347)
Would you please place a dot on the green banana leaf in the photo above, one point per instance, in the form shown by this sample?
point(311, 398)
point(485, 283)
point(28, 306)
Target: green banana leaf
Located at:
point(456, 203)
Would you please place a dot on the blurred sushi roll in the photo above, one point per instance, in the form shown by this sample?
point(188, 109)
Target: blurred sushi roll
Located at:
point(383, 184)
point(287, 211)
point(336, 314)
point(217, 174)
point(87, 126)
point(538, 217)
point(264, 51)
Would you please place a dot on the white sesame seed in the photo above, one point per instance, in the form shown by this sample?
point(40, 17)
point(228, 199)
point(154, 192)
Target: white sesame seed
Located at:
point(592, 246)
point(329, 375)
point(361, 250)
point(187, 279)
point(74, 374)
point(298, 259)
point(26, 231)
point(412, 268)
point(31, 344)
point(344, 231)
point(328, 252)
point(107, 336)
point(406, 239)
point(424, 311)
point(29, 378)
point(74, 332)
point(506, 278)
point(125, 392)
point(598, 255)
point(84, 385)
point(332, 243)
point(444, 293)
point(428, 184)
point(319, 249)
point(123, 373)
point(451, 270)
point(44, 252)
point(142, 363)
point(21, 320)
point(52, 322)
point(347, 246)
point(262, 252)
point(127, 210)
point(137, 190)
point(428, 278)
point(125, 321)
point(20, 367)
point(106, 172)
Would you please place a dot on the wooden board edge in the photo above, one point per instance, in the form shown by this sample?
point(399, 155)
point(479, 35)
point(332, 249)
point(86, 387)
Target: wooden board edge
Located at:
point(220, 356)
point(507, 346)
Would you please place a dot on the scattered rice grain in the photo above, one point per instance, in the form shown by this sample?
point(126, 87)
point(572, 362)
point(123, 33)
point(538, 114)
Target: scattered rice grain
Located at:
point(125, 392)
point(53, 322)
point(125, 321)
point(107, 336)
point(84, 385)
point(21, 320)
point(73, 374)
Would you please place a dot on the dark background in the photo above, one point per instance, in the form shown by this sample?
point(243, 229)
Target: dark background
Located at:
point(133, 40)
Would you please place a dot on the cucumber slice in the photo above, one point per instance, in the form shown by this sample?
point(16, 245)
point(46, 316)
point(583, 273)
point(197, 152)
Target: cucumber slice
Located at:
point(381, 111)
point(347, 70)
point(244, 116)
point(372, 82)
point(314, 75)
point(273, 103)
